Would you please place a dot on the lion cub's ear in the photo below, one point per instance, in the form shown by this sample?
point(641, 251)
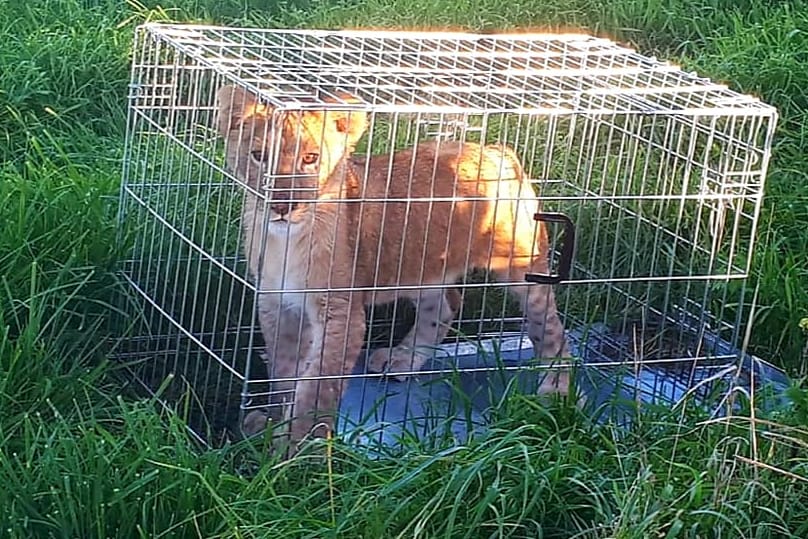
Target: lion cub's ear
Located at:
point(236, 105)
point(352, 123)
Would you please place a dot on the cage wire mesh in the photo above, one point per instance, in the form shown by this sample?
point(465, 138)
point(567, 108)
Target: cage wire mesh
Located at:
point(660, 171)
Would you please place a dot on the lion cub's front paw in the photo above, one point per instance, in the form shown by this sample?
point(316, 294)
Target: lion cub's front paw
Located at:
point(555, 381)
point(255, 422)
point(558, 382)
point(396, 363)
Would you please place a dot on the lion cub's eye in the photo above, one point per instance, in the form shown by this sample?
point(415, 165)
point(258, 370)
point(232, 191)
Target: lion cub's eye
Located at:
point(310, 158)
point(260, 156)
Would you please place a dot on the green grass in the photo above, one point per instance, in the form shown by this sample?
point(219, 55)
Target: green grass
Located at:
point(81, 456)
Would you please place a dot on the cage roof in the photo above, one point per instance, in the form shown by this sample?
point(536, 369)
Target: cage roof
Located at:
point(452, 72)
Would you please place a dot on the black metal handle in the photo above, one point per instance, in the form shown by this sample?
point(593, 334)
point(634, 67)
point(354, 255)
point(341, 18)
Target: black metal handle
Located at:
point(567, 249)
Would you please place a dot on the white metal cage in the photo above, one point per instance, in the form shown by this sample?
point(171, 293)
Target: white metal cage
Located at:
point(660, 171)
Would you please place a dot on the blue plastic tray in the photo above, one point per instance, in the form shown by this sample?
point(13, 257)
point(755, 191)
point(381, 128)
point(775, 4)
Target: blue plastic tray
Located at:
point(453, 402)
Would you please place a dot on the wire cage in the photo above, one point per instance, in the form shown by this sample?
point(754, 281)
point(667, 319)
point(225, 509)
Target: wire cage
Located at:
point(654, 175)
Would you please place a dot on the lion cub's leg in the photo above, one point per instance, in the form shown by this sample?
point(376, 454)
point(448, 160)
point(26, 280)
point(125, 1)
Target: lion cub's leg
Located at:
point(435, 311)
point(546, 332)
point(287, 339)
point(338, 332)
point(544, 326)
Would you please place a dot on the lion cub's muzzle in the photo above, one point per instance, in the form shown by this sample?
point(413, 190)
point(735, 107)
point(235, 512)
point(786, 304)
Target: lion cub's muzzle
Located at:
point(281, 205)
point(286, 197)
point(286, 206)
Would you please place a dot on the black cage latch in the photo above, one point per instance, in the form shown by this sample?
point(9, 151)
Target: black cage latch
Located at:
point(567, 249)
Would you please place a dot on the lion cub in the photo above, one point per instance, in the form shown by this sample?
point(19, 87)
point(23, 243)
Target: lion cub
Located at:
point(330, 235)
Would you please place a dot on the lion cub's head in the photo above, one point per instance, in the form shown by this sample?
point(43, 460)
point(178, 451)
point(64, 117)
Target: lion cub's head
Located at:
point(288, 155)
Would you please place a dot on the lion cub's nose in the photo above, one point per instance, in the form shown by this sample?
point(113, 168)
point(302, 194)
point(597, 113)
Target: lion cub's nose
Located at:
point(281, 204)
point(282, 208)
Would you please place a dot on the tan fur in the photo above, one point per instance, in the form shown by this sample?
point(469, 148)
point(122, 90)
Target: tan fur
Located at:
point(375, 242)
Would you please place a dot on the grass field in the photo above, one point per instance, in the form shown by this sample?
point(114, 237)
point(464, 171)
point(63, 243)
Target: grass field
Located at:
point(82, 457)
